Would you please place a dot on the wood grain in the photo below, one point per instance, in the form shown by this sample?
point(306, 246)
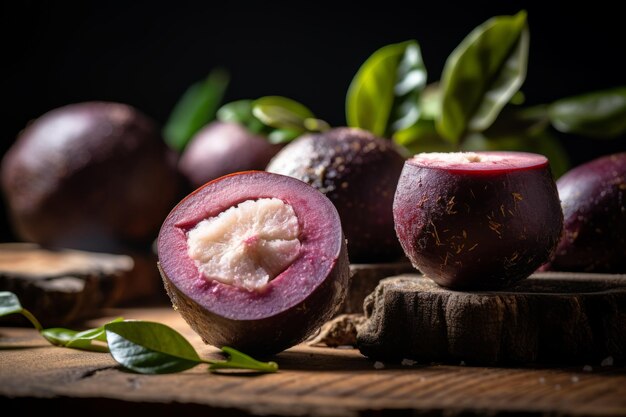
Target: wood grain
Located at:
point(558, 318)
point(311, 382)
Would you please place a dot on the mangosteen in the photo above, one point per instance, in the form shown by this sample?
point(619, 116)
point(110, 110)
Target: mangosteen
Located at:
point(255, 261)
point(481, 220)
point(89, 176)
point(593, 197)
point(358, 172)
point(222, 148)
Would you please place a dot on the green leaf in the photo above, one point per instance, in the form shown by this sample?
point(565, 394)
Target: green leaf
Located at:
point(514, 120)
point(238, 360)
point(600, 114)
point(518, 98)
point(312, 124)
point(281, 113)
point(10, 304)
point(482, 74)
point(150, 348)
point(58, 336)
point(98, 333)
point(430, 102)
point(83, 340)
point(240, 111)
point(195, 109)
point(383, 96)
point(278, 136)
point(278, 118)
point(422, 137)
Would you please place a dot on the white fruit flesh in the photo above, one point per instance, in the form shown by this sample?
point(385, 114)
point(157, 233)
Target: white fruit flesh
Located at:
point(458, 157)
point(246, 245)
point(486, 161)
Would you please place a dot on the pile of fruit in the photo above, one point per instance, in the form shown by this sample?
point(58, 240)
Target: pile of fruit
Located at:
point(455, 175)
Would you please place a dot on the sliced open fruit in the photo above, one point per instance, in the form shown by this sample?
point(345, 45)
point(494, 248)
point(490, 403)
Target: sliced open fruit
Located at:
point(477, 220)
point(254, 260)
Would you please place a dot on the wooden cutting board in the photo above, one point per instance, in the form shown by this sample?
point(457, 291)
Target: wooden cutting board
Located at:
point(311, 382)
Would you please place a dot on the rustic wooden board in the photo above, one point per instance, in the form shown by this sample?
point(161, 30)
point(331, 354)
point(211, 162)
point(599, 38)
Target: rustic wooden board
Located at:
point(311, 382)
point(557, 318)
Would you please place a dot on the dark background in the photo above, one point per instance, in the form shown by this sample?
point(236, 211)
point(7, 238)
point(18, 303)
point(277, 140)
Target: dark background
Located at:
point(147, 53)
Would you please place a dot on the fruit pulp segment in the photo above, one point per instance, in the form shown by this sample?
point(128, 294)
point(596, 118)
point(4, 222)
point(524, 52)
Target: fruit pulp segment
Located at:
point(246, 245)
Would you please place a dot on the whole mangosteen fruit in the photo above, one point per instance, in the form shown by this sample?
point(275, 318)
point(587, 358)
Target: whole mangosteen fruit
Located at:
point(89, 176)
point(593, 197)
point(222, 148)
point(358, 172)
point(255, 261)
point(481, 220)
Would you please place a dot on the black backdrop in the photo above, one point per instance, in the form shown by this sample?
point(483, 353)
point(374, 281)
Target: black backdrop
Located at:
point(146, 53)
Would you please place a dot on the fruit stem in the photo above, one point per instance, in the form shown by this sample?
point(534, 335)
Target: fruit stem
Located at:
point(32, 319)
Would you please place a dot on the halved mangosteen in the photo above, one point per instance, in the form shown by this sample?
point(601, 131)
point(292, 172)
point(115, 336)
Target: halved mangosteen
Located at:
point(479, 220)
point(254, 260)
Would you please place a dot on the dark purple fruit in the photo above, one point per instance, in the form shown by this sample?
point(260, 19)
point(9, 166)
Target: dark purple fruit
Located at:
point(222, 148)
point(358, 172)
point(255, 261)
point(87, 176)
point(593, 197)
point(479, 220)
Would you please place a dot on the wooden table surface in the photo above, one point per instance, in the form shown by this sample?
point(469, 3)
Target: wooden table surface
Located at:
point(312, 381)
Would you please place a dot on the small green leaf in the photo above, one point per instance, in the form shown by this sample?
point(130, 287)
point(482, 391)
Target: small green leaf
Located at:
point(240, 111)
point(238, 360)
point(281, 112)
point(278, 136)
point(422, 137)
point(87, 344)
point(150, 348)
point(482, 74)
point(195, 109)
point(58, 336)
point(83, 340)
point(383, 96)
point(10, 304)
point(600, 114)
point(312, 124)
point(518, 98)
point(98, 333)
point(430, 102)
point(278, 118)
point(515, 121)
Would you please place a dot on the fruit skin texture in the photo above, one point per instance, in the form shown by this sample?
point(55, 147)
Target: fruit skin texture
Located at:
point(593, 197)
point(291, 306)
point(88, 176)
point(222, 148)
point(358, 172)
point(477, 229)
